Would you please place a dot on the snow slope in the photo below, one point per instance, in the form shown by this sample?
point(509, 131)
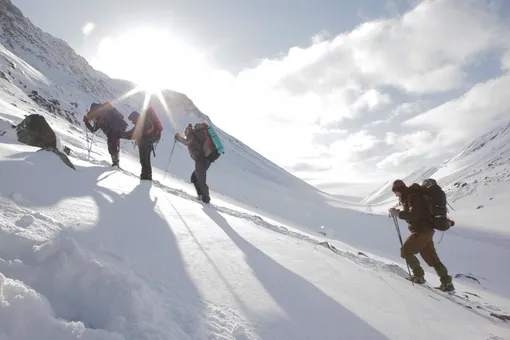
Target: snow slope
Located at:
point(95, 254)
point(476, 181)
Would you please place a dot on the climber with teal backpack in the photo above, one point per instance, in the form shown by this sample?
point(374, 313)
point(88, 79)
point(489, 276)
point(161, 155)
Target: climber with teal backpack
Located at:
point(204, 147)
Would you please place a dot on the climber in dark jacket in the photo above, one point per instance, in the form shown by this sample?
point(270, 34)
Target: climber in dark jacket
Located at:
point(111, 122)
point(146, 133)
point(202, 164)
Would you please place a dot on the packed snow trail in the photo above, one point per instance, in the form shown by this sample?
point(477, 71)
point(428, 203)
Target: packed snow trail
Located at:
point(112, 258)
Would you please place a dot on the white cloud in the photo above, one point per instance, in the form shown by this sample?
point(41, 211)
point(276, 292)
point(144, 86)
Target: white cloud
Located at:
point(505, 61)
point(88, 28)
point(459, 120)
point(350, 101)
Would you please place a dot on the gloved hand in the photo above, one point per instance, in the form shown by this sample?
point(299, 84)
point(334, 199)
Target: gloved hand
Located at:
point(394, 212)
point(176, 135)
point(85, 119)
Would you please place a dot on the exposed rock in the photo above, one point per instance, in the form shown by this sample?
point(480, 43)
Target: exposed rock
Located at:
point(4, 76)
point(480, 206)
point(34, 130)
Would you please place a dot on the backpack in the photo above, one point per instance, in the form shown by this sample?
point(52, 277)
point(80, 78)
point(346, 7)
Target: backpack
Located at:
point(155, 127)
point(107, 114)
point(435, 200)
point(211, 143)
point(118, 118)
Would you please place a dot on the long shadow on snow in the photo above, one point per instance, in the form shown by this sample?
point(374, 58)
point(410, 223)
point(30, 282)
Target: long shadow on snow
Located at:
point(311, 312)
point(27, 170)
point(132, 231)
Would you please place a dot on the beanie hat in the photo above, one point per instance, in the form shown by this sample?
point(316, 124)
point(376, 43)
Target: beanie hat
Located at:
point(188, 129)
point(133, 116)
point(398, 186)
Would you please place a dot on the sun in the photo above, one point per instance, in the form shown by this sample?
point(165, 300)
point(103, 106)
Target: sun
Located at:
point(154, 59)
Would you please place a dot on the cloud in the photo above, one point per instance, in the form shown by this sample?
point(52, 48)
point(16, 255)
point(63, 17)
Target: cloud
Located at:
point(308, 167)
point(88, 28)
point(423, 53)
point(370, 102)
point(457, 121)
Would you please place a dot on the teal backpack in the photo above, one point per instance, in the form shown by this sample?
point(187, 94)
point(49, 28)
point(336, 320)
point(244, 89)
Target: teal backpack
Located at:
point(211, 143)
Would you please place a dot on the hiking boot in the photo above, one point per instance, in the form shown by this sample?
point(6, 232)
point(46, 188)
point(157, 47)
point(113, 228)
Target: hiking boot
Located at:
point(446, 287)
point(206, 199)
point(115, 159)
point(419, 279)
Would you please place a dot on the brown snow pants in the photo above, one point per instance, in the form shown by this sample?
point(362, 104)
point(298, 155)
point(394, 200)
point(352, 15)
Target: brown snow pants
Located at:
point(422, 243)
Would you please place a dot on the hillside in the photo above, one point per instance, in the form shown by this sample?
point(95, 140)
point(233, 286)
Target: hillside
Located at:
point(36, 68)
point(476, 181)
point(94, 253)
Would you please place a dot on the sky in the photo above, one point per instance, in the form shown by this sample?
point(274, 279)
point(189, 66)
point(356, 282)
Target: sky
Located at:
point(344, 91)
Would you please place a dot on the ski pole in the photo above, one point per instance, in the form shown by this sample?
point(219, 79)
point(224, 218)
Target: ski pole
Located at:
point(169, 159)
point(402, 244)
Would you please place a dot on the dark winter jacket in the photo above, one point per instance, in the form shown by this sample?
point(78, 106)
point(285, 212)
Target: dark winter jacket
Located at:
point(194, 146)
point(106, 118)
point(415, 209)
point(141, 131)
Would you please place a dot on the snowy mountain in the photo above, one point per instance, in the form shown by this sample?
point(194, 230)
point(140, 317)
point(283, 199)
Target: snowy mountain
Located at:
point(38, 68)
point(384, 194)
point(93, 253)
point(482, 166)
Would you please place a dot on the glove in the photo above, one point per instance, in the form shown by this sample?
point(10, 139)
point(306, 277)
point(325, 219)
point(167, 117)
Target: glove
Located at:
point(85, 119)
point(394, 212)
point(176, 135)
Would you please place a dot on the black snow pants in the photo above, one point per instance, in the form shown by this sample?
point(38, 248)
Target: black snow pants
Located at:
point(199, 179)
point(113, 141)
point(145, 147)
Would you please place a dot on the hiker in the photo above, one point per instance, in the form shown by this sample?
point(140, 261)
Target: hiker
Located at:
point(204, 147)
point(146, 132)
point(421, 240)
point(111, 122)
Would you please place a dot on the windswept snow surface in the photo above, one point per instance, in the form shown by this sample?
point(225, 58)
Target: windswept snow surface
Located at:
point(97, 254)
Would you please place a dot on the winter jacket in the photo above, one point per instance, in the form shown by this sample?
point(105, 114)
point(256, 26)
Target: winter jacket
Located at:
point(415, 211)
point(106, 118)
point(141, 131)
point(194, 146)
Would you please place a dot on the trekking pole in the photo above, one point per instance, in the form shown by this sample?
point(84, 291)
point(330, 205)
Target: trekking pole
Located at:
point(402, 244)
point(89, 144)
point(169, 159)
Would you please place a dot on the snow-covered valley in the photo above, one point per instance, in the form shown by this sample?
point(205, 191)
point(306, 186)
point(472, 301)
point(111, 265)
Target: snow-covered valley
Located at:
point(94, 253)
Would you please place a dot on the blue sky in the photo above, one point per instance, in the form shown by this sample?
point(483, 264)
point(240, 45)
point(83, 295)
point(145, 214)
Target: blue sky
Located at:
point(346, 91)
point(238, 32)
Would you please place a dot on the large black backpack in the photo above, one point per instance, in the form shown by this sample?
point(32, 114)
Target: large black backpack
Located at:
point(436, 202)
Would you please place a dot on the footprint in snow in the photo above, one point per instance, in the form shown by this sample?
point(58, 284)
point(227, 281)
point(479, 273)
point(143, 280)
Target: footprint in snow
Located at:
point(25, 221)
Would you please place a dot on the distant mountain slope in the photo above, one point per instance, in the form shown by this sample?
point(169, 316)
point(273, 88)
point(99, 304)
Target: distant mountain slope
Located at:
point(384, 193)
point(482, 163)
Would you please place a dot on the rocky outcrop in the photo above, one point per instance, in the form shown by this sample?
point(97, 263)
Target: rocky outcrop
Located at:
point(34, 130)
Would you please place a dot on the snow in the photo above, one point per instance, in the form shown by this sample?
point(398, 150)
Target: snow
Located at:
point(95, 253)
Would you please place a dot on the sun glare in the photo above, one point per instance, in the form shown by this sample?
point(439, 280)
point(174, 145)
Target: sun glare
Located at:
point(154, 59)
